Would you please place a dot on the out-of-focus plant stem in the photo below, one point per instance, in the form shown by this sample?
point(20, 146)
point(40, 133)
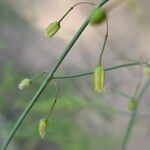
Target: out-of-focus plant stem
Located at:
point(133, 117)
point(48, 79)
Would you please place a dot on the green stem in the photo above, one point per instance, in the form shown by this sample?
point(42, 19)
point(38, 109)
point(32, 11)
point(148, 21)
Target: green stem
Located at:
point(138, 84)
point(107, 69)
point(104, 44)
point(133, 116)
point(55, 100)
point(47, 80)
point(71, 8)
point(90, 73)
point(37, 75)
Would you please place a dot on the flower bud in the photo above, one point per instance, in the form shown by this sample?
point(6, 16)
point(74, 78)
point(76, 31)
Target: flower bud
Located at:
point(24, 84)
point(99, 78)
point(97, 16)
point(42, 127)
point(132, 104)
point(52, 29)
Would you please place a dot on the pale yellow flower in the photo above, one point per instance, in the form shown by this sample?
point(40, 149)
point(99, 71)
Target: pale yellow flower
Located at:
point(52, 29)
point(42, 127)
point(99, 78)
point(25, 83)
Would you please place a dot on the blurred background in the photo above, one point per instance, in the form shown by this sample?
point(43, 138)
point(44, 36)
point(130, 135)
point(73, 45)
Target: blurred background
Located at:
point(82, 118)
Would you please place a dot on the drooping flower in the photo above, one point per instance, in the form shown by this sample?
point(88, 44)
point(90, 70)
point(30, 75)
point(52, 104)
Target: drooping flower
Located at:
point(52, 29)
point(25, 83)
point(99, 78)
point(42, 127)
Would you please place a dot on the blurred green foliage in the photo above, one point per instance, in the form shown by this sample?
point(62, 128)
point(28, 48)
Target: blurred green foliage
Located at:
point(10, 16)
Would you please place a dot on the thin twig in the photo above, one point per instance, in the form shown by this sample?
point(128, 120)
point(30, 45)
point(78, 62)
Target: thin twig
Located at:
point(71, 8)
point(139, 82)
point(91, 72)
point(106, 69)
point(105, 40)
point(37, 75)
point(55, 100)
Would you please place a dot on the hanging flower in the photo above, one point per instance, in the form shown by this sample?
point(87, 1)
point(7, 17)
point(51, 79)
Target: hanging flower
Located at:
point(52, 29)
point(99, 78)
point(42, 127)
point(25, 83)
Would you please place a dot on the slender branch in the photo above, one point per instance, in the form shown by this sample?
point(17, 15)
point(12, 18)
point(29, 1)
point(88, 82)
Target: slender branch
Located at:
point(133, 116)
point(48, 79)
point(71, 8)
point(55, 100)
point(104, 44)
point(90, 73)
point(138, 84)
point(107, 69)
point(37, 75)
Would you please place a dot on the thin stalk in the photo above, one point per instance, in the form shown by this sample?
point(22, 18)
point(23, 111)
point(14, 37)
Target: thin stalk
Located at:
point(71, 8)
point(106, 69)
point(133, 116)
point(55, 100)
point(48, 79)
point(90, 73)
point(37, 75)
point(104, 44)
point(138, 84)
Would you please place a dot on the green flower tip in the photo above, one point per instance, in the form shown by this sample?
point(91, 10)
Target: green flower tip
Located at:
point(97, 16)
point(24, 84)
point(42, 127)
point(99, 78)
point(52, 29)
point(147, 71)
point(132, 104)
